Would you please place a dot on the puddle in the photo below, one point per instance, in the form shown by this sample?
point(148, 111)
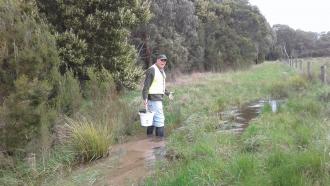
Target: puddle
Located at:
point(135, 161)
point(237, 119)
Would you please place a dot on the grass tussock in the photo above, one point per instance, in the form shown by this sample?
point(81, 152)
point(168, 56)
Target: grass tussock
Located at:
point(303, 168)
point(282, 89)
point(89, 140)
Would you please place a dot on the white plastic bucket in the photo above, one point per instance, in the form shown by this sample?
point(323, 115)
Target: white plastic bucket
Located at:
point(146, 118)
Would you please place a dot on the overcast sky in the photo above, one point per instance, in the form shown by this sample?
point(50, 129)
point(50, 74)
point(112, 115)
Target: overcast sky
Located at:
point(307, 15)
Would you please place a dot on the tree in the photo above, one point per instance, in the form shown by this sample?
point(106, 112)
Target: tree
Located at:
point(322, 46)
point(233, 34)
point(28, 74)
point(298, 43)
point(172, 30)
point(101, 26)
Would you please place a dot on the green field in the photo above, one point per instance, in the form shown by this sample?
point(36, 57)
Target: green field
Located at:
point(290, 147)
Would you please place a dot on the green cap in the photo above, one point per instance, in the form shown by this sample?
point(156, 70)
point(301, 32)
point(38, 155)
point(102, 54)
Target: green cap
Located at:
point(161, 56)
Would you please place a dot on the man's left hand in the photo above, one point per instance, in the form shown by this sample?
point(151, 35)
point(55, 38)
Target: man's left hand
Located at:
point(170, 96)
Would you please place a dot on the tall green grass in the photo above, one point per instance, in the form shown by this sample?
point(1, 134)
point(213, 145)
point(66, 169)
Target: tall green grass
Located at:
point(54, 163)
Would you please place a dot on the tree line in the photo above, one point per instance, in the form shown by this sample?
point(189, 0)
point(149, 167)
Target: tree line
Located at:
point(290, 43)
point(203, 35)
point(55, 53)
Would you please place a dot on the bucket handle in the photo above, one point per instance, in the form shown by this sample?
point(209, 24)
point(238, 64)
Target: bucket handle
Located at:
point(146, 107)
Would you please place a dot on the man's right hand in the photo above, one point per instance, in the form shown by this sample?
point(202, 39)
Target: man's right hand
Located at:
point(146, 103)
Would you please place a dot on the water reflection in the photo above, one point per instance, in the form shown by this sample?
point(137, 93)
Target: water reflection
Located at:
point(237, 119)
point(273, 104)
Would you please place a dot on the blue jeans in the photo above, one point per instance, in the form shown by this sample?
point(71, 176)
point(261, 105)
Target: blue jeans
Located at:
point(157, 108)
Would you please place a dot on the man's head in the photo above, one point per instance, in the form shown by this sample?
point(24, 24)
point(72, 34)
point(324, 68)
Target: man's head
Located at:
point(161, 61)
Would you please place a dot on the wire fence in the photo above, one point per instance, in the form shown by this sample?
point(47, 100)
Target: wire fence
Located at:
point(313, 68)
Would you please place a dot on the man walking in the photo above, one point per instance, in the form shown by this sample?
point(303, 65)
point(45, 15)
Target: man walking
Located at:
point(153, 93)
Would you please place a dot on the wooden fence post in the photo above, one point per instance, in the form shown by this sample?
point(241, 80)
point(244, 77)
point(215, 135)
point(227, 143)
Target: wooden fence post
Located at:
point(289, 62)
point(324, 74)
point(292, 63)
point(301, 65)
point(309, 73)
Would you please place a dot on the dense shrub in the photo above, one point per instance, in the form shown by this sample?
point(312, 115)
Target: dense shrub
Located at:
point(93, 34)
point(69, 97)
point(28, 74)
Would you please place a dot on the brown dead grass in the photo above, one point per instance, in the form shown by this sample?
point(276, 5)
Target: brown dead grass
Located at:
point(185, 79)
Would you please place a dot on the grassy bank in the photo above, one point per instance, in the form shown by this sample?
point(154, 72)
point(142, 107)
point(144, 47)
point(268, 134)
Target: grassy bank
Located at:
point(290, 147)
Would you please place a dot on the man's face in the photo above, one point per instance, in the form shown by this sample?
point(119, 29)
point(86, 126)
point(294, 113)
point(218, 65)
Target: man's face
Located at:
point(161, 63)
